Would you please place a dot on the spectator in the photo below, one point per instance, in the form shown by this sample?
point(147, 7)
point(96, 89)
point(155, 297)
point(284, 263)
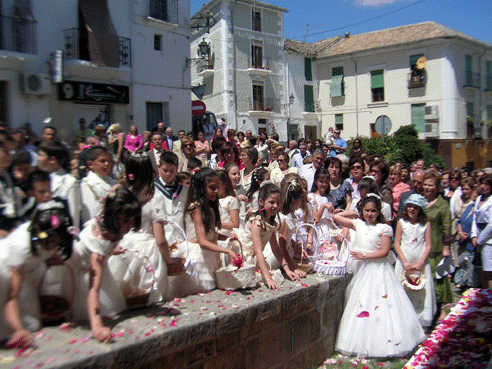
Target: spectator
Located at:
point(208, 129)
point(188, 147)
point(146, 141)
point(170, 138)
point(398, 187)
point(222, 125)
point(133, 140)
point(202, 148)
point(156, 152)
point(278, 174)
point(339, 145)
point(308, 170)
point(292, 150)
point(340, 190)
point(379, 170)
point(177, 143)
point(82, 131)
point(298, 159)
point(116, 141)
point(357, 149)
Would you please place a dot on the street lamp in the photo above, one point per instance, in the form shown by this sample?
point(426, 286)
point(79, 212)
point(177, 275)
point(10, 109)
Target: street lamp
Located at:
point(291, 101)
point(203, 52)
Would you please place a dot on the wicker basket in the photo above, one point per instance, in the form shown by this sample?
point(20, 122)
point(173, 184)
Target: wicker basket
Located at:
point(305, 267)
point(231, 278)
point(54, 309)
point(179, 268)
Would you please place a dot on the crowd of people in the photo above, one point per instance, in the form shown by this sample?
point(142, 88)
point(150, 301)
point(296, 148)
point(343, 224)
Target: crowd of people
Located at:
point(103, 222)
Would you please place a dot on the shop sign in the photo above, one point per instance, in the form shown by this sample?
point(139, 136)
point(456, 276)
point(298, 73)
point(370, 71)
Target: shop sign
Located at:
point(88, 92)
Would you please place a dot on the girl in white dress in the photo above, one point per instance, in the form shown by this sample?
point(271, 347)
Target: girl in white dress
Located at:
point(260, 230)
point(143, 267)
point(322, 203)
point(413, 246)
point(257, 178)
point(202, 216)
point(379, 319)
point(97, 293)
point(23, 256)
point(232, 170)
point(228, 205)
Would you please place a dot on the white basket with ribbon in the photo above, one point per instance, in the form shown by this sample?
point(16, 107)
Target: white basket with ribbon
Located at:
point(180, 265)
point(235, 277)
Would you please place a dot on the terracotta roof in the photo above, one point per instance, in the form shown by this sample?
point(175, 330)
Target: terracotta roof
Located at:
point(394, 36)
point(309, 49)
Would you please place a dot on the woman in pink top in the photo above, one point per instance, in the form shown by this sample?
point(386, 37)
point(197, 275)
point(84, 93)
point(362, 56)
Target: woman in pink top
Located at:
point(133, 140)
point(398, 186)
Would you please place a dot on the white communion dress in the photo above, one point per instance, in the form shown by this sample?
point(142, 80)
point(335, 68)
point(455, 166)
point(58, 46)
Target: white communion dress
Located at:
point(413, 246)
point(226, 205)
point(202, 264)
point(142, 268)
point(379, 319)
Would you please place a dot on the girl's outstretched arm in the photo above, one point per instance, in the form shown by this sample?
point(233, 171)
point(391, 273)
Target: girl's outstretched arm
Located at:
point(281, 259)
point(21, 337)
point(260, 259)
point(201, 236)
point(344, 220)
point(398, 250)
point(427, 250)
point(102, 333)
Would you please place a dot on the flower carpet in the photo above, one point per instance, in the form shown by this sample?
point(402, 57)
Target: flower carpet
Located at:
point(463, 339)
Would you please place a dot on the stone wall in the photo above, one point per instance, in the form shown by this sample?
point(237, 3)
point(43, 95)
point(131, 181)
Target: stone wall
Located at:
point(292, 328)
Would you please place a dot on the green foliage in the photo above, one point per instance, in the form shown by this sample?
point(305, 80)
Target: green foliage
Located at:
point(404, 145)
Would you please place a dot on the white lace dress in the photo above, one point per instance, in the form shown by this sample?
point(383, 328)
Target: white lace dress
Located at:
point(226, 205)
point(413, 246)
point(200, 276)
point(378, 320)
point(142, 267)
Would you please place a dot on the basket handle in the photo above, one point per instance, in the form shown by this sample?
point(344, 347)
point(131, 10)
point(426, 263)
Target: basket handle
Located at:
point(185, 239)
point(240, 245)
point(308, 225)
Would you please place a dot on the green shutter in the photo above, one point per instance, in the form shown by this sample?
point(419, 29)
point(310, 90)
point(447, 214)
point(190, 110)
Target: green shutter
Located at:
point(470, 109)
point(308, 72)
point(377, 79)
point(309, 98)
point(339, 121)
point(338, 71)
point(489, 115)
point(418, 117)
point(489, 69)
point(336, 86)
point(468, 62)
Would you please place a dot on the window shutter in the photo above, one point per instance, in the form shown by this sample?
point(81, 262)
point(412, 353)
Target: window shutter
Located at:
point(308, 72)
point(309, 98)
point(377, 79)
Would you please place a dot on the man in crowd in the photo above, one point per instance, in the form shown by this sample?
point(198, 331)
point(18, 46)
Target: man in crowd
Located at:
point(292, 148)
point(155, 153)
point(339, 145)
point(170, 138)
point(177, 144)
point(417, 186)
point(308, 170)
point(298, 159)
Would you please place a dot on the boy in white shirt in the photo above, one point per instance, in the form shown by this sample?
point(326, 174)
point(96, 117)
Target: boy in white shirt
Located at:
point(95, 186)
point(52, 156)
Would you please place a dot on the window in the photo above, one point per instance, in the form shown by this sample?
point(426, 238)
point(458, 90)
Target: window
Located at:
point(309, 99)
point(257, 56)
point(469, 70)
point(158, 10)
point(256, 20)
point(339, 121)
point(377, 85)
point(157, 42)
point(417, 72)
point(258, 97)
point(470, 120)
point(336, 85)
point(489, 121)
point(418, 117)
point(470, 110)
point(308, 70)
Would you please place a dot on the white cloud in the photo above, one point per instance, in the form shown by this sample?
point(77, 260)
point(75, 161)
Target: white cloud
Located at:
point(373, 2)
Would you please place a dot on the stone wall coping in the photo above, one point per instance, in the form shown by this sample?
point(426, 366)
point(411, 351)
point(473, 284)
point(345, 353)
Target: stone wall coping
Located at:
point(143, 334)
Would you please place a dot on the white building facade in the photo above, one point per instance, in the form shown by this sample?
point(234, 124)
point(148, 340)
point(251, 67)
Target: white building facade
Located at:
point(123, 62)
point(245, 74)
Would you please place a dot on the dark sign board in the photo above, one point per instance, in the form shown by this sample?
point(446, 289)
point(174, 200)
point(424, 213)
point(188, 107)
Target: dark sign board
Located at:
point(93, 92)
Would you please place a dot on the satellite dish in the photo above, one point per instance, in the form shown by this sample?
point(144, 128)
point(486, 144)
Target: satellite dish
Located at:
point(421, 62)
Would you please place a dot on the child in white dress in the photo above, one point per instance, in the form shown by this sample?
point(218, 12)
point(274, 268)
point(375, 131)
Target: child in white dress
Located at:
point(23, 256)
point(202, 216)
point(97, 293)
point(142, 267)
point(232, 170)
point(413, 245)
point(228, 205)
point(379, 319)
point(260, 230)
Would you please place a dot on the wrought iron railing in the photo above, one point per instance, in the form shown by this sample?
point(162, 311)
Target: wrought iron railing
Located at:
point(267, 104)
point(416, 80)
point(77, 47)
point(18, 34)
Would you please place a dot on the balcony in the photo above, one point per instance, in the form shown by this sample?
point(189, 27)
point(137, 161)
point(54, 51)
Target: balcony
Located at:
point(258, 108)
point(206, 70)
point(18, 35)
point(416, 80)
point(260, 67)
point(77, 48)
point(472, 80)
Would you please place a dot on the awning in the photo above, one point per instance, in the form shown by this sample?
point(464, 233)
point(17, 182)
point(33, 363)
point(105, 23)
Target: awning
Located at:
point(103, 39)
point(377, 79)
point(336, 86)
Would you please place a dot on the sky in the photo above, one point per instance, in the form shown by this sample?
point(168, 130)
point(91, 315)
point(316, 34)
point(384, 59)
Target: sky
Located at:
point(328, 18)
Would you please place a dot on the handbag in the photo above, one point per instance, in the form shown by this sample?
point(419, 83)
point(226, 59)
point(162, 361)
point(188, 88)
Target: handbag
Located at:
point(230, 277)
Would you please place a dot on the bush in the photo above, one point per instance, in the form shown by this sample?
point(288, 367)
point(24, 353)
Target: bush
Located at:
point(404, 145)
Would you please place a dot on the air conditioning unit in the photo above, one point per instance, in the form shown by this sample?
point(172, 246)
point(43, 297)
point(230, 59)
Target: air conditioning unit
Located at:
point(431, 112)
point(431, 130)
point(35, 84)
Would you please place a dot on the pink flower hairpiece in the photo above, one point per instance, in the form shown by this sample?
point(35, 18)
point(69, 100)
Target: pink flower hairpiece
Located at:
point(55, 221)
point(131, 177)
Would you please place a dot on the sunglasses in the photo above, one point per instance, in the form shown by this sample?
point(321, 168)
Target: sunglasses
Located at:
point(455, 178)
point(189, 145)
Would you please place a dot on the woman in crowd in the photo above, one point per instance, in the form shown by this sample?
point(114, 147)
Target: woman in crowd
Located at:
point(133, 140)
point(116, 139)
point(248, 157)
point(379, 170)
point(357, 149)
point(230, 153)
point(202, 147)
point(278, 174)
point(188, 147)
point(398, 187)
point(340, 190)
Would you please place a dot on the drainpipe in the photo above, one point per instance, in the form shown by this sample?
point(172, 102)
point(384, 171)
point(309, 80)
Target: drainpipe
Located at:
point(356, 99)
